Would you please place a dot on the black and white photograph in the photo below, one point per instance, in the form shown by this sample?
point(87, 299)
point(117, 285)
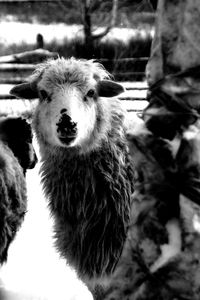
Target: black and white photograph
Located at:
point(99, 150)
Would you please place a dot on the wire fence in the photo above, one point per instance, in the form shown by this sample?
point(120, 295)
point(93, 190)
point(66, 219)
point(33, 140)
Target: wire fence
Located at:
point(12, 72)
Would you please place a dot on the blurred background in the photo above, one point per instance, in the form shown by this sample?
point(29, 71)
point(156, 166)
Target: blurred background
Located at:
point(113, 31)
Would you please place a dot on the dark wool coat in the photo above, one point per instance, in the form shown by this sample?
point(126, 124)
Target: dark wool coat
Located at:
point(13, 198)
point(89, 197)
point(16, 156)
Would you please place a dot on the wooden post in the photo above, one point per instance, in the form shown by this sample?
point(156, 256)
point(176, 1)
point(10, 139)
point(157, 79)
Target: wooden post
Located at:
point(39, 41)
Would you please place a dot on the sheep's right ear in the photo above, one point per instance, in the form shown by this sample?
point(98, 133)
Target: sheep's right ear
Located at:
point(25, 90)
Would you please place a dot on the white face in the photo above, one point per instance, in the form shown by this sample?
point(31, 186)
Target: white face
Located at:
point(67, 117)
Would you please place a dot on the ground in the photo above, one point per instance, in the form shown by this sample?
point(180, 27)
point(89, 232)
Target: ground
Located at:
point(34, 270)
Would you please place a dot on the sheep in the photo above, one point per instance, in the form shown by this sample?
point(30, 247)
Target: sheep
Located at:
point(16, 132)
point(16, 156)
point(86, 171)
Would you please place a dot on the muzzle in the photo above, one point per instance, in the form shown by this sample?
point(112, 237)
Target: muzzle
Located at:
point(66, 128)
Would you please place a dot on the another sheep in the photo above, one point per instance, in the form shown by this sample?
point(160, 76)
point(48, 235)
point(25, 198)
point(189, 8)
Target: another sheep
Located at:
point(16, 132)
point(16, 155)
point(86, 171)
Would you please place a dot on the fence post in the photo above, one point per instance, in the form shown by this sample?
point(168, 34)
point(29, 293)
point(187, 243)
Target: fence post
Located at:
point(39, 41)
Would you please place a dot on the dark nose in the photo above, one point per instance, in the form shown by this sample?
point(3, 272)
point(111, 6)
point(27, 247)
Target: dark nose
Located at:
point(34, 161)
point(29, 159)
point(66, 127)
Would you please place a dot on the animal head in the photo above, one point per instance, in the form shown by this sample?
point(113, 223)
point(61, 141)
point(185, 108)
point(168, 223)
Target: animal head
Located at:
point(17, 134)
point(70, 92)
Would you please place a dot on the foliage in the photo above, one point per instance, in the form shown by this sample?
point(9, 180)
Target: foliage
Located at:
point(51, 11)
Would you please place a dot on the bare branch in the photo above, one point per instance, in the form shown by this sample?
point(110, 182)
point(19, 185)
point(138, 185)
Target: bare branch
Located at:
point(62, 5)
point(114, 13)
point(76, 3)
point(101, 34)
point(112, 22)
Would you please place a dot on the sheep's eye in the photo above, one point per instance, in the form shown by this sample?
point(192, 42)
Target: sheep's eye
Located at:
point(44, 95)
point(91, 93)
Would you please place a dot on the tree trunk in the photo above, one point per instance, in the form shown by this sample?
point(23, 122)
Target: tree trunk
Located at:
point(176, 45)
point(89, 35)
point(87, 27)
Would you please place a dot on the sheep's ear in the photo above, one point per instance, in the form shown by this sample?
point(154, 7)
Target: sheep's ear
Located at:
point(25, 90)
point(108, 88)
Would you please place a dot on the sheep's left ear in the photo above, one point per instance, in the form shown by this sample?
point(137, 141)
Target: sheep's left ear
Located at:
point(108, 88)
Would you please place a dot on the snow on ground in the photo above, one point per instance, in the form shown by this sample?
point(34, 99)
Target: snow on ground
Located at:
point(18, 32)
point(34, 270)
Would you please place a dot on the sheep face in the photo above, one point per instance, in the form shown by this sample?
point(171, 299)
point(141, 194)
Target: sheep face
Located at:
point(67, 117)
point(69, 92)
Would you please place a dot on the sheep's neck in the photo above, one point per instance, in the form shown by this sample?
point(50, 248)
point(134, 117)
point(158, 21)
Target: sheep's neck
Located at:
point(90, 199)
